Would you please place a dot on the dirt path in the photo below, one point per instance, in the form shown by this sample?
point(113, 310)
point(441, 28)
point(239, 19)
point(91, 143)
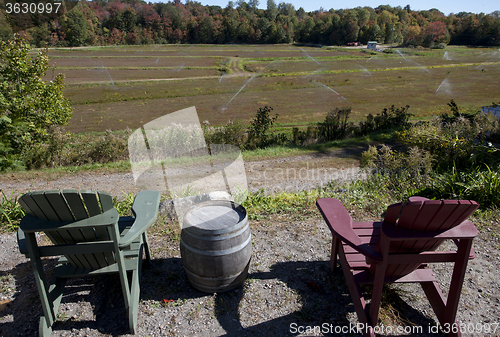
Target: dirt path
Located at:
point(294, 173)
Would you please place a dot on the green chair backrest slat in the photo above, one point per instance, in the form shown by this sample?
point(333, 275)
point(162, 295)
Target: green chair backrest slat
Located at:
point(93, 206)
point(59, 205)
point(30, 206)
point(91, 234)
point(75, 201)
point(44, 205)
point(106, 201)
point(91, 202)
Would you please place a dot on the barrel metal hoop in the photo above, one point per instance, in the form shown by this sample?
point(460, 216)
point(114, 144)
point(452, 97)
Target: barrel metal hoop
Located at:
point(217, 237)
point(219, 252)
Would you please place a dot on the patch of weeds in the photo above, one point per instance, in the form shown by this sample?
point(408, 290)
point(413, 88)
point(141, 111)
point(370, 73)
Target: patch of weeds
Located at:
point(259, 205)
point(10, 212)
point(174, 303)
point(195, 312)
point(176, 236)
point(488, 220)
point(62, 316)
point(154, 304)
point(166, 227)
point(165, 231)
point(4, 280)
point(124, 205)
point(389, 313)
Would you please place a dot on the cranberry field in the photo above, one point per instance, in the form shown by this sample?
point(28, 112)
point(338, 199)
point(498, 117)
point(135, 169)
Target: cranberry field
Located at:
point(127, 86)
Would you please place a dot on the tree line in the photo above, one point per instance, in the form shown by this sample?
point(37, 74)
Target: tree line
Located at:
point(103, 22)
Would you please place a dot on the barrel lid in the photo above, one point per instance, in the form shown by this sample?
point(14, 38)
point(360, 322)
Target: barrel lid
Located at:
point(215, 215)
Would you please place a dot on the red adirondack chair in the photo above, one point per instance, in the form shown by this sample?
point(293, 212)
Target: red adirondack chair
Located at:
point(394, 251)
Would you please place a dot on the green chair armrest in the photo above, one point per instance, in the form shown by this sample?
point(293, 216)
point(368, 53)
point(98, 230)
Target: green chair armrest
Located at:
point(145, 209)
point(30, 224)
point(21, 242)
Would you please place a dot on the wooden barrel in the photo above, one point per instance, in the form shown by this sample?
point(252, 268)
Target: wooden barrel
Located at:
point(216, 245)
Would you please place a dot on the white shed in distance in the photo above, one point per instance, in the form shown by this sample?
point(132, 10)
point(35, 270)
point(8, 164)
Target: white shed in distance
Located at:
point(372, 45)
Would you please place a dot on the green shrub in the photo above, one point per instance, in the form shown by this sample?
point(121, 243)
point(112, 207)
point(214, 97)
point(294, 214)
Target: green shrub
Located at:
point(29, 105)
point(487, 127)
point(257, 133)
point(109, 148)
point(307, 137)
point(392, 118)
point(65, 149)
point(335, 125)
point(459, 143)
point(462, 171)
point(458, 112)
point(389, 118)
point(369, 157)
point(366, 127)
point(402, 173)
point(438, 45)
point(231, 133)
point(49, 153)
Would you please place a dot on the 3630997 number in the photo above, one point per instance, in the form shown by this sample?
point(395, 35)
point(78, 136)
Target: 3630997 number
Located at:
point(32, 8)
point(472, 328)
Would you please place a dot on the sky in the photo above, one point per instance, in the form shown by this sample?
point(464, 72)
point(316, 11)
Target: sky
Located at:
point(446, 6)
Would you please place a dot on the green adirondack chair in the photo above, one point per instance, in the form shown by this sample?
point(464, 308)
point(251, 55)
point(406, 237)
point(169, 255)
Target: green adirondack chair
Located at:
point(90, 238)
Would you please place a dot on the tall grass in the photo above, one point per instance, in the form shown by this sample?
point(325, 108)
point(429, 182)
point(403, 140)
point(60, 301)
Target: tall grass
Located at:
point(124, 205)
point(479, 184)
point(260, 205)
point(10, 212)
point(371, 196)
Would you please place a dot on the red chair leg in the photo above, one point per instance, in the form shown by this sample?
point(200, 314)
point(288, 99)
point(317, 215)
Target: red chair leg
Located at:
point(334, 252)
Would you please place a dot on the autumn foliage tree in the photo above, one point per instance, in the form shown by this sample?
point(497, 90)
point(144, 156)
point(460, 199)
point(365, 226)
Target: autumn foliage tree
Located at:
point(436, 33)
point(138, 22)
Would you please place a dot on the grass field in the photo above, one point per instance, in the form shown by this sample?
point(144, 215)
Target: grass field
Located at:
point(127, 86)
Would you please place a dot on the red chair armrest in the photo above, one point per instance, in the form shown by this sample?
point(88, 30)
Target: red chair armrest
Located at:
point(339, 221)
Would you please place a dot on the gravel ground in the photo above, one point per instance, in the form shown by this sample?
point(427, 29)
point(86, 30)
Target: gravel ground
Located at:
point(289, 288)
